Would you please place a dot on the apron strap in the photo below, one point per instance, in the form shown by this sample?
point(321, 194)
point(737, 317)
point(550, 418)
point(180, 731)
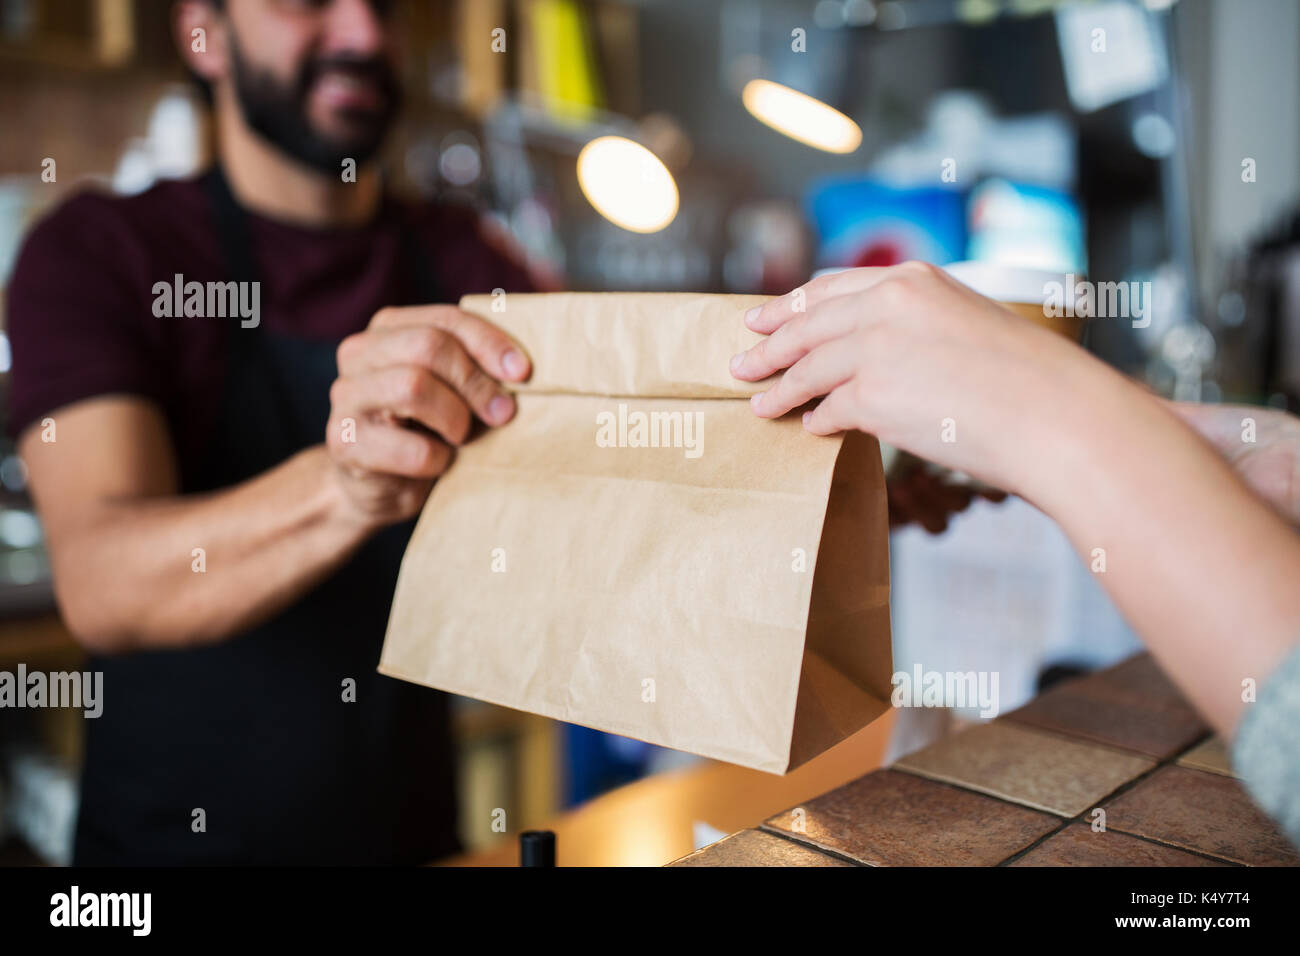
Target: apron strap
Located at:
point(232, 227)
point(417, 266)
point(422, 286)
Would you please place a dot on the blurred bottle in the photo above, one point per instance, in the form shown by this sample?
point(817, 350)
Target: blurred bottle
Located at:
point(537, 848)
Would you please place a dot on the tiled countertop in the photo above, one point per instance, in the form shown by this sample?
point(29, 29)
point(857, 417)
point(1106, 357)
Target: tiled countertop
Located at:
point(1024, 790)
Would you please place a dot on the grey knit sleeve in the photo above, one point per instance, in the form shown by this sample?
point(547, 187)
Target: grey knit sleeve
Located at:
point(1266, 753)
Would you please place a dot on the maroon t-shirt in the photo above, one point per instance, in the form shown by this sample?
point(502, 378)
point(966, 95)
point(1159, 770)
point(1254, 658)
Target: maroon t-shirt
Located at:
point(81, 300)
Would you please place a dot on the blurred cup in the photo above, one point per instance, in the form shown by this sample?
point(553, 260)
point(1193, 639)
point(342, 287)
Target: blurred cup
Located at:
point(1050, 299)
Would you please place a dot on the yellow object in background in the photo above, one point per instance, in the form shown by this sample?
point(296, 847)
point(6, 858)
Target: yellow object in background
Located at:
point(566, 71)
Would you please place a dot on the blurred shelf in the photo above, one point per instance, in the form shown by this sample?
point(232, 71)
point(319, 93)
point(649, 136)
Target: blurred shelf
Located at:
point(508, 761)
point(86, 34)
point(36, 638)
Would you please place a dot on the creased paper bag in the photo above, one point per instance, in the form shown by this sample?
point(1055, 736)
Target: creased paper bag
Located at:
point(638, 553)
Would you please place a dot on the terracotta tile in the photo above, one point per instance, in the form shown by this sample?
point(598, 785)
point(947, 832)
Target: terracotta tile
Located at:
point(1140, 675)
point(756, 848)
point(890, 818)
point(1041, 770)
point(1079, 845)
point(1211, 755)
point(1132, 706)
point(1201, 811)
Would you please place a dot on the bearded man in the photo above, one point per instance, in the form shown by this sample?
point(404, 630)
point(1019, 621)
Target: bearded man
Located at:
point(226, 501)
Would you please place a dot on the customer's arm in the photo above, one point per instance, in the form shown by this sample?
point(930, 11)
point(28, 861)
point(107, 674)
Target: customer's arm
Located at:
point(1200, 566)
point(123, 541)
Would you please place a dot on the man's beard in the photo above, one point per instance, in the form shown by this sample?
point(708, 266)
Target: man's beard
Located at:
point(278, 112)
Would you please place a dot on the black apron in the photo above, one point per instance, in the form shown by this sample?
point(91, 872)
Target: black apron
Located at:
point(252, 737)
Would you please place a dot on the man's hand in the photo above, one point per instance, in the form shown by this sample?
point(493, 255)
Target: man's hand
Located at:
point(917, 494)
point(122, 538)
point(408, 390)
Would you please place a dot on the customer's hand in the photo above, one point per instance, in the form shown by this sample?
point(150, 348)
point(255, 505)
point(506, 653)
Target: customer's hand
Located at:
point(914, 357)
point(1261, 444)
point(1187, 552)
point(408, 390)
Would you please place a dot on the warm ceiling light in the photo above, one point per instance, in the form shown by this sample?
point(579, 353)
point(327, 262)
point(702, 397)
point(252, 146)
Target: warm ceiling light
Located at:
point(627, 184)
point(801, 117)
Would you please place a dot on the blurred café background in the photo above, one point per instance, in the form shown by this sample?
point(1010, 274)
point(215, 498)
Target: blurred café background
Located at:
point(740, 146)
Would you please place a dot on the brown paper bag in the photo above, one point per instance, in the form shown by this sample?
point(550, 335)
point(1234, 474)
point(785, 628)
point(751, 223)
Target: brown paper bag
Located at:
point(638, 553)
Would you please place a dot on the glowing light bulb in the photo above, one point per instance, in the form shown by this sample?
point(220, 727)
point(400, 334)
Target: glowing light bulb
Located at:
point(627, 184)
point(801, 117)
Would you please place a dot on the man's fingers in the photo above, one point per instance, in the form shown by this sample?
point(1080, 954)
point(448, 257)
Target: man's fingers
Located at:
point(817, 373)
point(491, 347)
point(405, 391)
point(390, 450)
point(795, 339)
point(944, 496)
point(495, 351)
point(434, 349)
point(772, 315)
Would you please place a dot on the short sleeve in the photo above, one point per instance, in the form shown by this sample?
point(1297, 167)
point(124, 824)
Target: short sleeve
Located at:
point(77, 313)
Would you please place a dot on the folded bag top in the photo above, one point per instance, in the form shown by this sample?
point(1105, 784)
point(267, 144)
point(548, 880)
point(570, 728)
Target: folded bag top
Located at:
point(638, 553)
point(631, 345)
